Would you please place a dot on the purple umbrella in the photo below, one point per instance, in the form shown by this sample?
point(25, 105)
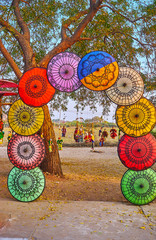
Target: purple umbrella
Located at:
point(62, 72)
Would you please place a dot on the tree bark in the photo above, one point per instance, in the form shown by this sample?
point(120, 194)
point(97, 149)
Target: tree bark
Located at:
point(51, 163)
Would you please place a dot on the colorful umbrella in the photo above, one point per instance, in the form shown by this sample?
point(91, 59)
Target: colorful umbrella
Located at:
point(62, 72)
point(6, 93)
point(26, 186)
point(25, 120)
point(98, 70)
point(137, 153)
point(137, 119)
point(128, 88)
point(34, 88)
point(7, 84)
point(26, 152)
point(139, 187)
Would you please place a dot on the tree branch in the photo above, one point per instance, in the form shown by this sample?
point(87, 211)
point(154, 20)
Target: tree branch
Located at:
point(86, 20)
point(122, 15)
point(92, 2)
point(29, 57)
point(20, 20)
point(68, 22)
point(85, 38)
point(10, 29)
point(10, 60)
point(69, 41)
point(136, 39)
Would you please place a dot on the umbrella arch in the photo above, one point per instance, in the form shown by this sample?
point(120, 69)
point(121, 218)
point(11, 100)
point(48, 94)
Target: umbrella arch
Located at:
point(97, 71)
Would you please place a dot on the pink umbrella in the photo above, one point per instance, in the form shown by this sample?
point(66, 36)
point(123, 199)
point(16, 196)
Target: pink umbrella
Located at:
point(7, 84)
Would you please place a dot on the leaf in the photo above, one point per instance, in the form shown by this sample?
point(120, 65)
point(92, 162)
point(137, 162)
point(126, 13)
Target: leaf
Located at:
point(144, 228)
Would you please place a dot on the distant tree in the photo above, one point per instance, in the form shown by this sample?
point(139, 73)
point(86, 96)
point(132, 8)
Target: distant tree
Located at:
point(33, 31)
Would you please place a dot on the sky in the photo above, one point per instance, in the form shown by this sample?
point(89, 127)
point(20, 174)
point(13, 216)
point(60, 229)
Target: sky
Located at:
point(71, 113)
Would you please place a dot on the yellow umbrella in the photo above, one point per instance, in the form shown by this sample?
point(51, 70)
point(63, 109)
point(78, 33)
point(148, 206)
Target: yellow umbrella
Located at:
point(25, 120)
point(137, 119)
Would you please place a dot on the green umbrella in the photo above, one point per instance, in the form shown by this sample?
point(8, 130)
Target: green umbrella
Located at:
point(26, 186)
point(139, 187)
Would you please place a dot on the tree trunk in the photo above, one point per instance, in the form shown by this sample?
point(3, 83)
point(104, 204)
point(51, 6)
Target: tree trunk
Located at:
point(51, 162)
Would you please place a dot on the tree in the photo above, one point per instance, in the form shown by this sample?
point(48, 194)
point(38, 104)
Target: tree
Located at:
point(32, 32)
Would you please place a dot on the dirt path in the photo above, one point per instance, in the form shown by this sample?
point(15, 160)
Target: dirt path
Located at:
point(90, 176)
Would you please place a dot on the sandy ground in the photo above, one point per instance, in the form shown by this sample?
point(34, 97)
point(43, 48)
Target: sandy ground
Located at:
point(86, 204)
point(88, 175)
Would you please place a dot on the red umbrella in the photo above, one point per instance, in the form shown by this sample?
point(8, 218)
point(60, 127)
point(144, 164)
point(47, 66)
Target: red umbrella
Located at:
point(34, 88)
point(6, 93)
point(137, 153)
point(7, 84)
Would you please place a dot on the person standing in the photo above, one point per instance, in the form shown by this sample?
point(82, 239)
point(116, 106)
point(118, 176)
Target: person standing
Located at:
point(63, 131)
point(92, 140)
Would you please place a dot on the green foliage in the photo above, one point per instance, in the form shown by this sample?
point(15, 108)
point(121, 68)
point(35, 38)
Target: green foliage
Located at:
point(153, 132)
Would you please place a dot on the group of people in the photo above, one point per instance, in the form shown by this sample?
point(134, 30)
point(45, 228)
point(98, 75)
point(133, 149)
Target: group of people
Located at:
point(104, 134)
point(78, 134)
point(88, 136)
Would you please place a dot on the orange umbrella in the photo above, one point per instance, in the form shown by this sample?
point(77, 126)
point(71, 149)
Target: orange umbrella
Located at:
point(34, 88)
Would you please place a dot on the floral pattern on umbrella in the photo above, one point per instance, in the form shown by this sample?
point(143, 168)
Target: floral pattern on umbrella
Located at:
point(34, 88)
point(139, 187)
point(137, 119)
point(25, 120)
point(137, 153)
point(98, 70)
point(128, 88)
point(62, 72)
point(26, 186)
point(26, 152)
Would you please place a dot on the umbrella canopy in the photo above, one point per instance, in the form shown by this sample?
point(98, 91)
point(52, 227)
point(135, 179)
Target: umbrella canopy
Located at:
point(137, 119)
point(25, 120)
point(7, 84)
point(26, 186)
point(137, 153)
point(128, 88)
point(98, 70)
point(26, 152)
point(139, 187)
point(6, 93)
point(34, 88)
point(62, 72)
